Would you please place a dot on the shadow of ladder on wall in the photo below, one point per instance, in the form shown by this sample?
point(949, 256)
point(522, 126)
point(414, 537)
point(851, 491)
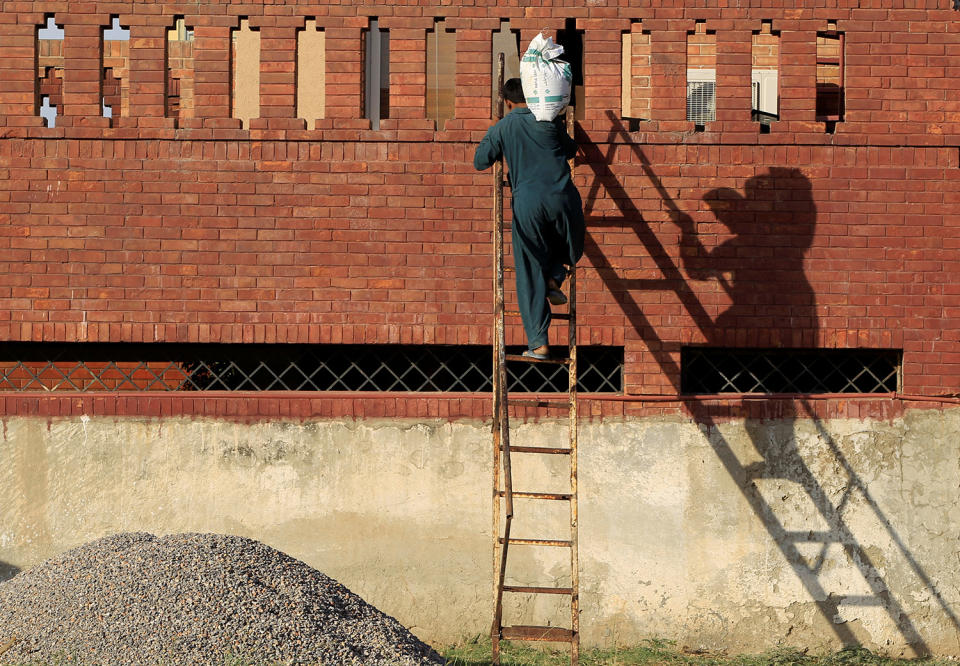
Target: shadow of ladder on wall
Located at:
point(503, 493)
point(794, 544)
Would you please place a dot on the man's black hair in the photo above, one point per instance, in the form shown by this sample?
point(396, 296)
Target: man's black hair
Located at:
point(513, 91)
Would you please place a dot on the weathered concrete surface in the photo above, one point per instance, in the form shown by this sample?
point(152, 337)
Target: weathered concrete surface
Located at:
point(742, 536)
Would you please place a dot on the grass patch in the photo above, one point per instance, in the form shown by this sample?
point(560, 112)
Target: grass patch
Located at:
point(659, 651)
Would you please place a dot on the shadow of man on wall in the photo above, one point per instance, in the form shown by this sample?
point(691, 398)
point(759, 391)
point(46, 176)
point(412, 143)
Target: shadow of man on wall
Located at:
point(761, 266)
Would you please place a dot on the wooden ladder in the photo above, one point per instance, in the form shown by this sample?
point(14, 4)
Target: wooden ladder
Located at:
point(503, 492)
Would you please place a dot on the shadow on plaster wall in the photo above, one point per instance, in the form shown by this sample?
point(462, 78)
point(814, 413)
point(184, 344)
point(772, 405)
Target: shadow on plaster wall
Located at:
point(7, 571)
point(777, 211)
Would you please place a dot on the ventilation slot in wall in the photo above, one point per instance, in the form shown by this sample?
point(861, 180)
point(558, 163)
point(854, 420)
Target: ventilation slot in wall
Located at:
point(49, 71)
point(765, 83)
point(115, 84)
point(701, 76)
point(311, 73)
point(441, 73)
point(376, 73)
point(180, 70)
point(506, 40)
point(245, 61)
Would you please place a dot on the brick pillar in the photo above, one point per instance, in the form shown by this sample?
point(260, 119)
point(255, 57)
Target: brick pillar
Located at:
point(148, 69)
point(82, 77)
point(212, 86)
point(798, 75)
point(602, 48)
point(668, 76)
point(734, 64)
point(278, 84)
point(18, 75)
point(344, 74)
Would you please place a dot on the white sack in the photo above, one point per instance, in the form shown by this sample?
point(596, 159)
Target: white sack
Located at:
point(546, 80)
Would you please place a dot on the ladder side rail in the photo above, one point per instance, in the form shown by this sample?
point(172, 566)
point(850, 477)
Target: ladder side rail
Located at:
point(574, 510)
point(501, 432)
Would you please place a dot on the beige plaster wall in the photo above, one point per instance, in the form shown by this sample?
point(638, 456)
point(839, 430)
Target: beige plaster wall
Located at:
point(743, 536)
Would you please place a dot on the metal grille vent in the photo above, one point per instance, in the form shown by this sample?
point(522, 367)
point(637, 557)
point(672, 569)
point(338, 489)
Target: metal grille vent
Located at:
point(89, 367)
point(701, 102)
point(720, 370)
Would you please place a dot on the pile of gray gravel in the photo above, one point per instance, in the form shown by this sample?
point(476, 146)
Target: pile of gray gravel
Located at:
point(193, 599)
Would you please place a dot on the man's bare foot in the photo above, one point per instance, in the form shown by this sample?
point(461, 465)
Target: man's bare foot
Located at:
point(542, 349)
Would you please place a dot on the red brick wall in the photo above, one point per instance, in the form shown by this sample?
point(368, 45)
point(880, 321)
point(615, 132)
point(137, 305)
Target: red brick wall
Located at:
point(149, 231)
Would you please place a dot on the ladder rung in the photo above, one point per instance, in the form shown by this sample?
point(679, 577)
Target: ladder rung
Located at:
point(543, 496)
point(556, 543)
point(527, 359)
point(538, 590)
point(560, 315)
point(538, 449)
point(555, 634)
point(549, 404)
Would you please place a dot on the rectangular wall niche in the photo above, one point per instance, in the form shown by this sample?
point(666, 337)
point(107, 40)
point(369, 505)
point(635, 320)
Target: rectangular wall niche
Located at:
point(441, 73)
point(180, 70)
point(49, 71)
point(115, 87)
point(311, 73)
point(376, 73)
point(245, 59)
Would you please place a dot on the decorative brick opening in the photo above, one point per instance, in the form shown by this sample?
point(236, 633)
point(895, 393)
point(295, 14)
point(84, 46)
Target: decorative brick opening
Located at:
point(830, 70)
point(245, 72)
point(765, 75)
point(635, 75)
point(49, 71)
point(701, 75)
point(180, 70)
point(441, 73)
point(706, 370)
point(311, 73)
point(376, 73)
point(506, 40)
point(115, 68)
point(572, 41)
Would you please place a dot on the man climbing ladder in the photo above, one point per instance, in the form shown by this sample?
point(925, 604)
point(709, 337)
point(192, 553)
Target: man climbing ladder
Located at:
point(548, 225)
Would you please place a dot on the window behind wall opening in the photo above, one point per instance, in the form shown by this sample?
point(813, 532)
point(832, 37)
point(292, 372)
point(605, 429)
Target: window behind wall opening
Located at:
point(376, 71)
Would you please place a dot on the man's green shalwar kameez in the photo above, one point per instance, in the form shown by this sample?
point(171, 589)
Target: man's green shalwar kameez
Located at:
point(548, 226)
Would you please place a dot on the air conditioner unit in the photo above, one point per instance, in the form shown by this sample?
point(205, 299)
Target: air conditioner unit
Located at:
point(765, 94)
point(701, 95)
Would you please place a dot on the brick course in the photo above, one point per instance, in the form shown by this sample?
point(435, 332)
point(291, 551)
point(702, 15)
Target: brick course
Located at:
point(198, 230)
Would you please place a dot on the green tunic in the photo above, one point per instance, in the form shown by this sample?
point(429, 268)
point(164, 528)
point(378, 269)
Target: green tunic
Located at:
point(548, 226)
